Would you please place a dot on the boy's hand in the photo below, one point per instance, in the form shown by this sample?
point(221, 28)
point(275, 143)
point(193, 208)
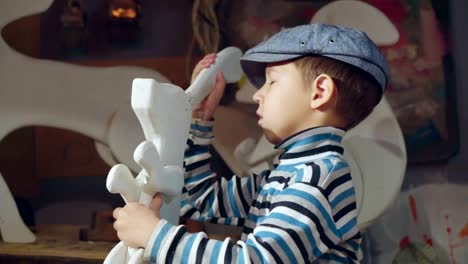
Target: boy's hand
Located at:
point(207, 107)
point(134, 222)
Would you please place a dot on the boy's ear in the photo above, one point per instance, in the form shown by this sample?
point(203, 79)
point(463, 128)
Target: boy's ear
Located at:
point(323, 90)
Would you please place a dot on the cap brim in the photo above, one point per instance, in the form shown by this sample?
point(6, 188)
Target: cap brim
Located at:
point(254, 65)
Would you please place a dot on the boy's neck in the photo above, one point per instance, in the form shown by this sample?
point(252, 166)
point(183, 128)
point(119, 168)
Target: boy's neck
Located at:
point(323, 119)
point(334, 133)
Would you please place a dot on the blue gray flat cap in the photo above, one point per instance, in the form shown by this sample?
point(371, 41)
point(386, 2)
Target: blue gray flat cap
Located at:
point(344, 44)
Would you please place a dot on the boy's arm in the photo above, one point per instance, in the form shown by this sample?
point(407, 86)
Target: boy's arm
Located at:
point(207, 196)
point(298, 229)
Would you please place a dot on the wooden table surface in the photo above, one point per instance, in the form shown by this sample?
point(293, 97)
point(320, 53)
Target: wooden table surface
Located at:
point(55, 244)
point(67, 250)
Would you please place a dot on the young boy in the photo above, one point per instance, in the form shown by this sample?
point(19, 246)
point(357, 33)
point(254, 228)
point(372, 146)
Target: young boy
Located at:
point(316, 81)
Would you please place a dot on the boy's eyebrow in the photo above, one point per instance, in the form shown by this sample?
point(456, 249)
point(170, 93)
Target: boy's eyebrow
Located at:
point(269, 70)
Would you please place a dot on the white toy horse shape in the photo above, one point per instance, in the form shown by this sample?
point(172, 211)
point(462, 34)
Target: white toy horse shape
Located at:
point(56, 94)
point(164, 112)
point(12, 226)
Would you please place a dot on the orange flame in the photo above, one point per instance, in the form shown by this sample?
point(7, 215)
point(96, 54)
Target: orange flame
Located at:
point(128, 13)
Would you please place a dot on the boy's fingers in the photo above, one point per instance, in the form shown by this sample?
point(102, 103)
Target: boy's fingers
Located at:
point(219, 84)
point(220, 81)
point(210, 56)
point(115, 214)
point(206, 61)
point(213, 99)
point(198, 69)
point(202, 64)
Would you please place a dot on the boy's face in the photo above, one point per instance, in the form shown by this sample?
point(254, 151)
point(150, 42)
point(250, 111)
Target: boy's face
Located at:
point(284, 102)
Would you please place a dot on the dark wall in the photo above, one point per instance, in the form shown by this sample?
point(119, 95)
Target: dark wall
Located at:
point(164, 29)
point(458, 165)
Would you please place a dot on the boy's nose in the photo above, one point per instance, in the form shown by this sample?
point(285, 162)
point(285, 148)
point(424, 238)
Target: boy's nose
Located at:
point(256, 96)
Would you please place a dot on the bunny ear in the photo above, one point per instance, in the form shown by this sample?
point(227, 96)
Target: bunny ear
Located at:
point(359, 15)
point(228, 62)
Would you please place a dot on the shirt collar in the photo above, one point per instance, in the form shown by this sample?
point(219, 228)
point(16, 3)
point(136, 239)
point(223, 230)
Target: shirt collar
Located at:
point(312, 138)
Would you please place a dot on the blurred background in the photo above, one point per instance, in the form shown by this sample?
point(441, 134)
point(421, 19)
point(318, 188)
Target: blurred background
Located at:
point(57, 174)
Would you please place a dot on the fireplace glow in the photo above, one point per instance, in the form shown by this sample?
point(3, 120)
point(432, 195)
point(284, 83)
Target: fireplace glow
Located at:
point(124, 10)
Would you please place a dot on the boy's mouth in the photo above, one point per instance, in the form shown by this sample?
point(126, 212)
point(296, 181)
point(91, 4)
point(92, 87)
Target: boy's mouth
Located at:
point(259, 115)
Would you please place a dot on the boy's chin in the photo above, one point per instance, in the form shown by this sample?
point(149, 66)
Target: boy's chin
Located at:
point(272, 137)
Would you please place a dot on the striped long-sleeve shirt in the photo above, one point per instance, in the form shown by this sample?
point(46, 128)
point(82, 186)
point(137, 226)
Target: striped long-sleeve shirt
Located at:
point(302, 211)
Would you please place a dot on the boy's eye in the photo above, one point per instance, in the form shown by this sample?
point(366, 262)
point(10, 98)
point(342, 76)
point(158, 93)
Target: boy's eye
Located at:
point(272, 82)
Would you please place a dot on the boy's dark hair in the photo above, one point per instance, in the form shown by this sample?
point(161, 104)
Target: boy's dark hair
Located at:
point(357, 91)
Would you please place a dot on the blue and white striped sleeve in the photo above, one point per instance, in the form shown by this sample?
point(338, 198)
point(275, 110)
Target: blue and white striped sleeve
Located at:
point(173, 244)
point(298, 229)
point(205, 195)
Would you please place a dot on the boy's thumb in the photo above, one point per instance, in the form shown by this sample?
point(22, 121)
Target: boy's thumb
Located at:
point(156, 203)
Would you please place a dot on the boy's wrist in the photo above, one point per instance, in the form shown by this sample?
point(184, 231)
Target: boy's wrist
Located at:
point(201, 131)
point(202, 115)
point(153, 238)
point(149, 230)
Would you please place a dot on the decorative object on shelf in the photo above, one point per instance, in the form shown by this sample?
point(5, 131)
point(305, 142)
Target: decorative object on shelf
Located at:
point(74, 24)
point(123, 21)
point(124, 10)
